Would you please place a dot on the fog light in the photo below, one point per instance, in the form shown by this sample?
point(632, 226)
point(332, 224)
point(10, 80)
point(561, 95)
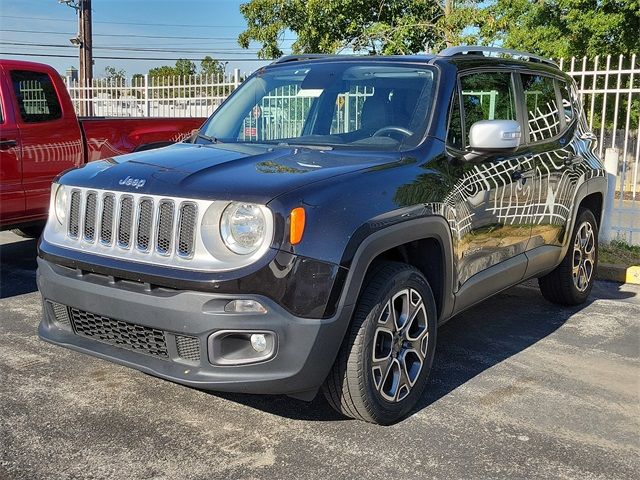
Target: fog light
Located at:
point(259, 342)
point(241, 347)
point(244, 306)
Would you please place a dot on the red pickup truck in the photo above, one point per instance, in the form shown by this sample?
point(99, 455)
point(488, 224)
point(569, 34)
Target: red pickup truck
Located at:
point(40, 137)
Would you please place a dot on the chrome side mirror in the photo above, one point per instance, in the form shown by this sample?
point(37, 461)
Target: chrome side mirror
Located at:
point(494, 136)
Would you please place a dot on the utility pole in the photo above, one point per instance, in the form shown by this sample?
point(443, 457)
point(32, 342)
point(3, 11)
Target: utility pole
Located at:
point(86, 54)
point(84, 41)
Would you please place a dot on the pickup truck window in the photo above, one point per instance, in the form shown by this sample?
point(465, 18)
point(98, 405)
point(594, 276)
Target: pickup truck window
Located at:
point(36, 95)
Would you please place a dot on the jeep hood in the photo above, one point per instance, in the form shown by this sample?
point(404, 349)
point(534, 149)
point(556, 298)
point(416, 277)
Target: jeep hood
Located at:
point(243, 172)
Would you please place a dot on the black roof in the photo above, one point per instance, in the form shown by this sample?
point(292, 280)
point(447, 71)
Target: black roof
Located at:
point(462, 61)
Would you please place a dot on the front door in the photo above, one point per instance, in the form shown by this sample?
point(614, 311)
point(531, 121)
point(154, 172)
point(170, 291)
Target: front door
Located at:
point(491, 198)
point(50, 136)
point(11, 192)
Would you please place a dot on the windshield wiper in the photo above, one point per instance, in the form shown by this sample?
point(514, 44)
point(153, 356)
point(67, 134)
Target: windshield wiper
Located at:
point(205, 137)
point(310, 146)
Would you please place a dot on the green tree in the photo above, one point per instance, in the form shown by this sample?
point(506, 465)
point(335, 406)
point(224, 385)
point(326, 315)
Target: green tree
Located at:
point(114, 78)
point(374, 26)
point(164, 71)
point(564, 28)
point(185, 67)
point(211, 67)
point(112, 73)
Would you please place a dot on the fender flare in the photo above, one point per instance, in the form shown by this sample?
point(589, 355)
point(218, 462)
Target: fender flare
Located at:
point(588, 187)
point(429, 227)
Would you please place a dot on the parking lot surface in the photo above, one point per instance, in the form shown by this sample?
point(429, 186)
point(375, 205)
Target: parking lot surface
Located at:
point(520, 389)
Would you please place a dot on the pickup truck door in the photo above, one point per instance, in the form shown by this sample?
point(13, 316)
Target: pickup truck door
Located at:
point(11, 192)
point(50, 136)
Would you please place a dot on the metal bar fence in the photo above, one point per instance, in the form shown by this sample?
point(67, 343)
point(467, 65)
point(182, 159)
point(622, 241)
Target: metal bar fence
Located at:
point(609, 88)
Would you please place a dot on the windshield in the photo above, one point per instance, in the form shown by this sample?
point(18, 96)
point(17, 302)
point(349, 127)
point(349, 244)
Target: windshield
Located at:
point(338, 104)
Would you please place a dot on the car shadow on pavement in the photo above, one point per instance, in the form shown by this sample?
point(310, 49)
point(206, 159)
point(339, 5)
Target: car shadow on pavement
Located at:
point(468, 344)
point(18, 267)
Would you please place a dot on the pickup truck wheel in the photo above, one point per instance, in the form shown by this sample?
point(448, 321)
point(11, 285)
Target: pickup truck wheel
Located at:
point(32, 231)
point(385, 359)
point(571, 282)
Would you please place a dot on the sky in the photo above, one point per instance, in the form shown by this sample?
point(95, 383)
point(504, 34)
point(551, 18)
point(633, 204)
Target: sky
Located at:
point(206, 27)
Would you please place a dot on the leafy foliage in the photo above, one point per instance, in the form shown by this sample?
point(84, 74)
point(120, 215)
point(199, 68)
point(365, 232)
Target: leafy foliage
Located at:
point(373, 26)
point(565, 28)
point(211, 67)
point(555, 28)
point(112, 73)
point(183, 67)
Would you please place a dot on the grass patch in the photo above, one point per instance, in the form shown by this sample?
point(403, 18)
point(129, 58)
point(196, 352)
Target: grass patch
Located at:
point(619, 252)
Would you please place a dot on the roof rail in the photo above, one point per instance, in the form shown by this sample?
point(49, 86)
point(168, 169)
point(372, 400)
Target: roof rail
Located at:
point(465, 49)
point(300, 57)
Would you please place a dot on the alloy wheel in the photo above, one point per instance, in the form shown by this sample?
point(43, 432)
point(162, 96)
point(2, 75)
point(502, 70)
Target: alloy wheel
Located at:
point(584, 256)
point(400, 345)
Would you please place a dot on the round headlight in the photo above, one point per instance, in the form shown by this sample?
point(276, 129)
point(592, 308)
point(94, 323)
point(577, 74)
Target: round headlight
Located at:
point(61, 204)
point(242, 227)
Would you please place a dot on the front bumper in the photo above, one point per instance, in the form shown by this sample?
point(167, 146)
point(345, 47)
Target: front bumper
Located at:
point(306, 348)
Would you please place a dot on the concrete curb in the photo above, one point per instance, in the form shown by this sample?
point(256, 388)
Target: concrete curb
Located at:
point(620, 274)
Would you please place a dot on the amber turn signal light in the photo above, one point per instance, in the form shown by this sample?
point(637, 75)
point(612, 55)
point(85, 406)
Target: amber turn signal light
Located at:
point(297, 225)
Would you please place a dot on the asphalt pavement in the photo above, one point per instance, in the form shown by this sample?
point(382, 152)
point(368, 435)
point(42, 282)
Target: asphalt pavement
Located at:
point(520, 389)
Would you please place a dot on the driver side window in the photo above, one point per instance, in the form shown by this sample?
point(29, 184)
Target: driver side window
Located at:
point(487, 96)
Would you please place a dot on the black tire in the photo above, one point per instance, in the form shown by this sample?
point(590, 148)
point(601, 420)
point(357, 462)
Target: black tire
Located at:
point(31, 231)
point(561, 286)
point(356, 385)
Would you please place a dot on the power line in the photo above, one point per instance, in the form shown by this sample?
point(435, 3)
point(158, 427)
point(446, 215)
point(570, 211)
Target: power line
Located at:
point(128, 23)
point(133, 58)
point(237, 51)
point(125, 35)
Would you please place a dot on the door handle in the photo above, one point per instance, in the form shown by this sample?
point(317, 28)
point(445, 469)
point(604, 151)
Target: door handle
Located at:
point(7, 144)
point(523, 175)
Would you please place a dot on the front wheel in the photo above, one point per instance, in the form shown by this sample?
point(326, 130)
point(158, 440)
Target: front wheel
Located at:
point(571, 282)
point(30, 231)
point(385, 359)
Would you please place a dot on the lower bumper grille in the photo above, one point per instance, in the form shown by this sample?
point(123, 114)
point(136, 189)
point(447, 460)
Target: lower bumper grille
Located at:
point(138, 338)
point(188, 348)
point(116, 332)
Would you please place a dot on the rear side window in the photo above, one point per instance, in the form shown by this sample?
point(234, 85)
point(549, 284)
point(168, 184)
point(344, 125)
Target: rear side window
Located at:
point(37, 98)
point(487, 96)
point(543, 114)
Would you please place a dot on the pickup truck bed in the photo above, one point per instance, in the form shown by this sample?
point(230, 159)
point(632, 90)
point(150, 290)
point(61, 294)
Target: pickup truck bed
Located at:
point(107, 137)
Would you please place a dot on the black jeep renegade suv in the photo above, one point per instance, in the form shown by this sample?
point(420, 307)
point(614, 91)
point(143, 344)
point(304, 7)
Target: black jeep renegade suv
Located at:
point(324, 221)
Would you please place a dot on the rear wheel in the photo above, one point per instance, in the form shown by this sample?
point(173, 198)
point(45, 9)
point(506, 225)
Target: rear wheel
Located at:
point(385, 359)
point(571, 282)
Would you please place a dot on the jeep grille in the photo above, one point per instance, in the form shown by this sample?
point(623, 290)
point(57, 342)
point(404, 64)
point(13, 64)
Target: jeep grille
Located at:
point(140, 227)
point(149, 224)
